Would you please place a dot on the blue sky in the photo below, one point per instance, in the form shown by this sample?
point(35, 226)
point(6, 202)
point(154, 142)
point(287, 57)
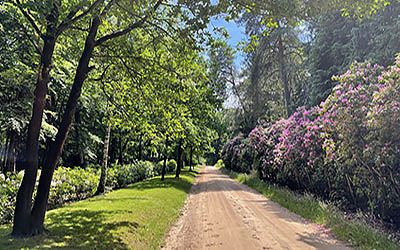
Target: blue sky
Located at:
point(236, 33)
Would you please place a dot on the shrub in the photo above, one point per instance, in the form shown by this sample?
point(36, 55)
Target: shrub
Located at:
point(112, 180)
point(158, 168)
point(347, 149)
point(8, 193)
point(219, 164)
point(123, 175)
point(145, 170)
point(71, 184)
point(171, 165)
point(237, 155)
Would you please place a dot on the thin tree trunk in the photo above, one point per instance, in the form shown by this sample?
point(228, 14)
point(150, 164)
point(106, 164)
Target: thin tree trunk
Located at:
point(113, 151)
point(255, 92)
point(123, 148)
point(140, 148)
point(103, 176)
point(54, 154)
point(164, 167)
point(5, 154)
point(11, 153)
point(22, 216)
point(121, 151)
point(179, 159)
point(191, 159)
point(283, 76)
point(81, 151)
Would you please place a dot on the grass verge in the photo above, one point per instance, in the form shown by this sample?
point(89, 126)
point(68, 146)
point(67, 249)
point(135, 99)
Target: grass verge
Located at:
point(137, 217)
point(357, 233)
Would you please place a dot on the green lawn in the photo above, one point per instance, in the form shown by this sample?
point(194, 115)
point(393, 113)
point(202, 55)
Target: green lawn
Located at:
point(357, 233)
point(136, 217)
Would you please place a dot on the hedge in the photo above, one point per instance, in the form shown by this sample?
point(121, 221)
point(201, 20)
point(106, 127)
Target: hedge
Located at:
point(72, 184)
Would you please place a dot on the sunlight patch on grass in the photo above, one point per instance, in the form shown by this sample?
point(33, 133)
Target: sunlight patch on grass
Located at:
point(137, 217)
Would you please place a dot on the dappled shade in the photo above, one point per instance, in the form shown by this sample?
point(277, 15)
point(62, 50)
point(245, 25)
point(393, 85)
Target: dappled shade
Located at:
point(138, 215)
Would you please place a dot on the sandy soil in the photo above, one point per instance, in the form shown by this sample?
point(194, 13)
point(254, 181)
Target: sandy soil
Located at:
point(223, 214)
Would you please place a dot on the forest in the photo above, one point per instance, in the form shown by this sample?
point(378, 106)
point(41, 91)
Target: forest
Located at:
point(100, 95)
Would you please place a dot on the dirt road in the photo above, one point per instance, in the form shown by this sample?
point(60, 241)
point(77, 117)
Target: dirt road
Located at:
point(223, 214)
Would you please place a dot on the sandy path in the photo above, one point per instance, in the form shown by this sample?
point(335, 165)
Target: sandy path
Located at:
point(223, 214)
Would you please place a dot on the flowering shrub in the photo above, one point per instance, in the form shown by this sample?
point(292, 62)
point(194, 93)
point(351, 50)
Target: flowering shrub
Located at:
point(237, 155)
point(347, 149)
point(381, 154)
point(71, 184)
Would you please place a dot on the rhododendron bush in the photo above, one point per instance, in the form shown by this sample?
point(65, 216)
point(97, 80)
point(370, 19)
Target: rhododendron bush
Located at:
point(347, 149)
point(237, 155)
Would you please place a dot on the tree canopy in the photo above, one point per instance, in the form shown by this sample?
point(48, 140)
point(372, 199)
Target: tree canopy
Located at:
point(106, 82)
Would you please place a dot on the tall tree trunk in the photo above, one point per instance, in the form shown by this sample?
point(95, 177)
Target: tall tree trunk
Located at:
point(22, 215)
point(283, 76)
point(140, 149)
point(113, 142)
point(54, 153)
point(179, 159)
point(4, 154)
point(121, 150)
point(80, 152)
point(164, 167)
point(11, 153)
point(103, 176)
point(191, 158)
point(255, 90)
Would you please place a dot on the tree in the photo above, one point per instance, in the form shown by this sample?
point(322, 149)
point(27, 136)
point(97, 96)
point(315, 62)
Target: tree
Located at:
point(53, 28)
point(101, 31)
point(16, 71)
point(339, 41)
point(104, 165)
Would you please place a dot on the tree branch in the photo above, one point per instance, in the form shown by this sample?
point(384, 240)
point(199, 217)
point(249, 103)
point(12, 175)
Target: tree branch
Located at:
point(235, 88)
point(28, 17)
point(71, 18)
point(34, 43)
point(129, 28)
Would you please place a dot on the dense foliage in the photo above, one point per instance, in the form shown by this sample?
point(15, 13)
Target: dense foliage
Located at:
point(72, 184)
point(290, 60)
point(339, 41)
point(346, 149)
point(101, 82)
